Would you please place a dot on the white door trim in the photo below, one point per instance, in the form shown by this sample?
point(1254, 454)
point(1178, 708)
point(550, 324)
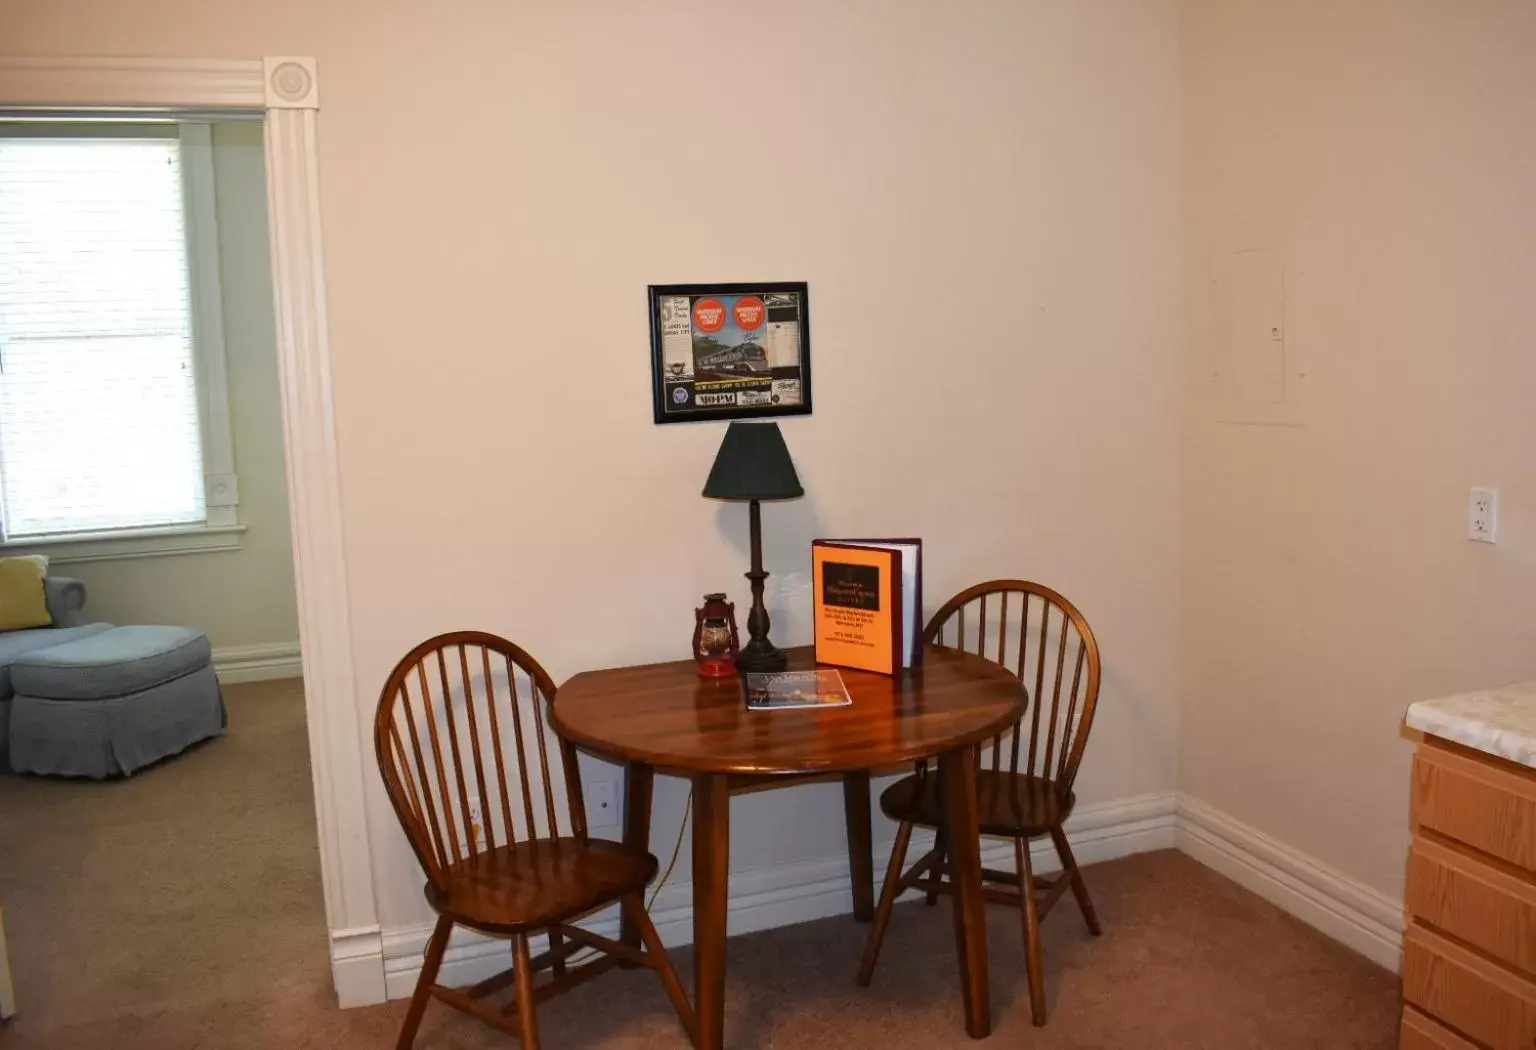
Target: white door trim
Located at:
point(285, 91)
point(7, 989)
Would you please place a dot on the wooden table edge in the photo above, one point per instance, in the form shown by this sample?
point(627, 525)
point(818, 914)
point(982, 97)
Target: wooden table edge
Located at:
point(680, 765)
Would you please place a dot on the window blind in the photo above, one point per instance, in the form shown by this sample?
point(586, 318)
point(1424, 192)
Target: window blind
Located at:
point(99, 424)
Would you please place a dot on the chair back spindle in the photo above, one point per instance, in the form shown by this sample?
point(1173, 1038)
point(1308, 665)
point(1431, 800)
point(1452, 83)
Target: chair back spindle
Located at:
point(1045, 642)
point(464, 750)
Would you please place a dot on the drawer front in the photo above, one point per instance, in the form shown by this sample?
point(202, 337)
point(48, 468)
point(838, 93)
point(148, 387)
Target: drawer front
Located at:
point(1492, 910)
point(1486, 806)
point(1424, 1033)
point(1468, 992)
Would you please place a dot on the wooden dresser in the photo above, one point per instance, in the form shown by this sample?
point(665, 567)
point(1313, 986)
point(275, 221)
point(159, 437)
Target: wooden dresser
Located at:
point(1469, 950)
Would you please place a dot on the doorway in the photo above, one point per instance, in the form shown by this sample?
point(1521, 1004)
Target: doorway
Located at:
point(142, 467)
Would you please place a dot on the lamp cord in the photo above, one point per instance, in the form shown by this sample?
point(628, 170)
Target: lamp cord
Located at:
point(677, 849)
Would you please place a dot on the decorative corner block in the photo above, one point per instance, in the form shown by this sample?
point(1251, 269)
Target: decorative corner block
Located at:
point(291, 83)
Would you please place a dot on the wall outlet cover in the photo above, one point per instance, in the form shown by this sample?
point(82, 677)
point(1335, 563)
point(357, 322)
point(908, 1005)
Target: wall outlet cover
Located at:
point(603, 804)
point(1483, 515)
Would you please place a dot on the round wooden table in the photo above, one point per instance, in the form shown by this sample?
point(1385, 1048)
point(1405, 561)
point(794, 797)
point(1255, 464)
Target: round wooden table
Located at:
point(663, 716)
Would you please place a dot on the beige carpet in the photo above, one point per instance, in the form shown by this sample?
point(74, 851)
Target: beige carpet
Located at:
point(181, 908)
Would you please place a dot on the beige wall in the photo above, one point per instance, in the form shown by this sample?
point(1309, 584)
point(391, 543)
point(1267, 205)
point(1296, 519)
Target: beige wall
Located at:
point(1018, 163)
point(1387, 149)
point(240, 598)
point(983, 197)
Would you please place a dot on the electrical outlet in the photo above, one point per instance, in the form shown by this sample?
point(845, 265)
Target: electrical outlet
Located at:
point(1483, 515)
point(603, 804)
point(477, 822)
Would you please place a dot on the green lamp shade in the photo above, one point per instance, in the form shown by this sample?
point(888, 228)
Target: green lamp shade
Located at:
point(753, 463)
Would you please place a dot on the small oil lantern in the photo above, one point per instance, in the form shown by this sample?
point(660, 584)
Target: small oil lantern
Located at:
point(715, 642)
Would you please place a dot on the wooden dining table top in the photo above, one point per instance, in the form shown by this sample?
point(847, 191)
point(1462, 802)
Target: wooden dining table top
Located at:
point(665, 715)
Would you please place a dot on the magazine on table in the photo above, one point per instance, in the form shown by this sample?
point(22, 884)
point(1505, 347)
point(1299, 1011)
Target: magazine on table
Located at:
point(787, 690)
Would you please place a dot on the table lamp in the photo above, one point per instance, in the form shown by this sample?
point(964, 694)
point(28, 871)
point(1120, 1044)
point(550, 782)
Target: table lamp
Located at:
point(753, 464)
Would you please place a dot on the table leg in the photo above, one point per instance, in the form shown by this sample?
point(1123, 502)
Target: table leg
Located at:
point(958, 768)
point(861, 869)
point(711, 865)
point(638, 781)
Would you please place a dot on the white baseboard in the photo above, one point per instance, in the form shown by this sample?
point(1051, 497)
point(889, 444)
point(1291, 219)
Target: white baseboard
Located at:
point(1345, 909)
point(256, 663)
point(357, 966)
point(785, 894)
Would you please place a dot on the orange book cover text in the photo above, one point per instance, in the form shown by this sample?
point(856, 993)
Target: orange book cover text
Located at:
point(857, 613)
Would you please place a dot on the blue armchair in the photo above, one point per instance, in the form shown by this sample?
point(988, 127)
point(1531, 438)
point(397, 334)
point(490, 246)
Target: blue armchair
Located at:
point(66, 605)
point(66, 601)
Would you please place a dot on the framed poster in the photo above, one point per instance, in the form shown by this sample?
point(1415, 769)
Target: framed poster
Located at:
point(730, 351)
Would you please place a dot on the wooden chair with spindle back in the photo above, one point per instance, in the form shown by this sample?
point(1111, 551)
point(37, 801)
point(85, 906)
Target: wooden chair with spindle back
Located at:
point(462, 747)
point(1024, 781)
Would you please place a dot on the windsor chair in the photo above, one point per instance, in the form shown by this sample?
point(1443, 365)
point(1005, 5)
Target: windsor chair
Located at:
point(465, 756)
point(1024, 785)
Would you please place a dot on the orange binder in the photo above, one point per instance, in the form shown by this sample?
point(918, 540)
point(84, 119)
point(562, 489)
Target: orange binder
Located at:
point(866, 601)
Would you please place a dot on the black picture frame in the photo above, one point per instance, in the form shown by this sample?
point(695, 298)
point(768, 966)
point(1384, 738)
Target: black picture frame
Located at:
point(754, 377)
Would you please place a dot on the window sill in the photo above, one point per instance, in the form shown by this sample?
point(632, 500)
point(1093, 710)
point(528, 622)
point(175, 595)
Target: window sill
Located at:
point(130, 543)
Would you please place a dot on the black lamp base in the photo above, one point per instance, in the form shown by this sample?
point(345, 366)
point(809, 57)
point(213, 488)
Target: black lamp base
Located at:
point(759, 656)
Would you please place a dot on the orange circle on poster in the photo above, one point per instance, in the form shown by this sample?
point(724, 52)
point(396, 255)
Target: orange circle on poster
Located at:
point(749, 312)
point(709, 315)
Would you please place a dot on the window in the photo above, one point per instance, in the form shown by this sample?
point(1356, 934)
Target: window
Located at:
point(113, 413)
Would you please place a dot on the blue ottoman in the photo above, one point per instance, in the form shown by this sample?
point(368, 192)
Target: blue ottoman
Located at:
point(114, 702)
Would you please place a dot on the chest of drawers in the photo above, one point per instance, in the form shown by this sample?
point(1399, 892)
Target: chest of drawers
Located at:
point(1469, 951)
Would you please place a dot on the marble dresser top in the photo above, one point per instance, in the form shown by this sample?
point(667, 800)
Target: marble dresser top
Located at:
point(1500, 721)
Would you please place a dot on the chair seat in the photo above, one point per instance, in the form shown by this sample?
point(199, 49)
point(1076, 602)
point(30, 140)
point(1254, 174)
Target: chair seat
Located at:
point(1006, 803)
point(533, 884)
point(120, 661)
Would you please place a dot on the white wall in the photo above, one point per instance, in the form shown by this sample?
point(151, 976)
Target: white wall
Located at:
point(246, 597)
point(1386, 149)
point(984, 197)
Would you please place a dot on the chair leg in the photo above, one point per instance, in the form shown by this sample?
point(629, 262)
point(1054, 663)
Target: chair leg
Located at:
point(431, 962)
point(1079, 887)
point(555, 943)
point(1032, 955)
point(888, 891)
point(633, 906)
point(935, 871)
point(522, 964)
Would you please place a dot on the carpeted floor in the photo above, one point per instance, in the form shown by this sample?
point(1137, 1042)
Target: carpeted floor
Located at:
point(181, 909)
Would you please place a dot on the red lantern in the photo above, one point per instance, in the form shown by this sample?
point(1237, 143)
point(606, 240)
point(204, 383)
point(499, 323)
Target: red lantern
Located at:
point(715, 643)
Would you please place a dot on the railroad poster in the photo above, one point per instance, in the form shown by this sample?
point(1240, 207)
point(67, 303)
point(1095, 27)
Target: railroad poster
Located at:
point(730, 351)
